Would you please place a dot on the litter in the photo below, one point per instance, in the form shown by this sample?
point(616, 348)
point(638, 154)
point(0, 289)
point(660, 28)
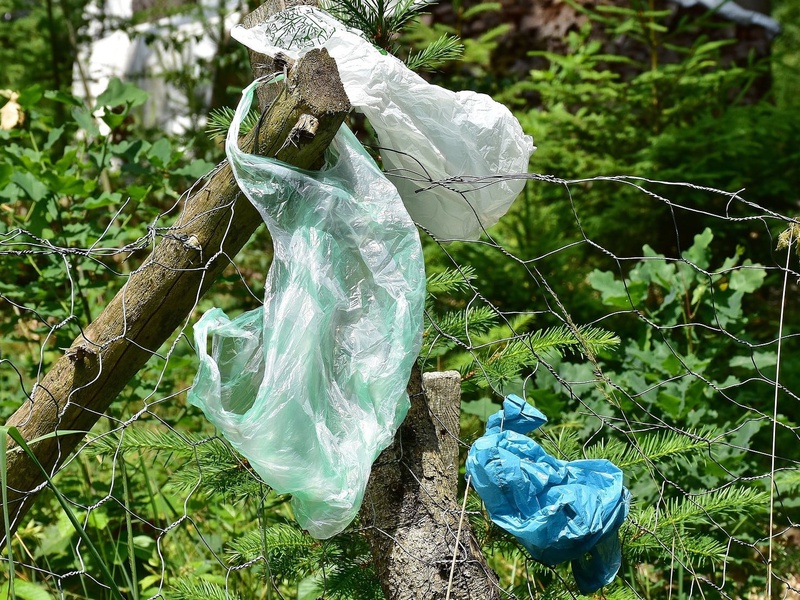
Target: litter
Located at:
point(312, 386)
point(426, 132)
point(559, 511)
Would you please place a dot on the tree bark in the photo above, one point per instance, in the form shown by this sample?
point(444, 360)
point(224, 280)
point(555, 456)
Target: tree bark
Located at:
point(411, 510)
point(159, 296)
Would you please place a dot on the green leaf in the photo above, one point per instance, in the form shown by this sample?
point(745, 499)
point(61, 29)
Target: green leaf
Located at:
point(160, 153)
point(6, 171)
point(670, 404)
point(195, 169)
point(63, 98)
point(15, 435)
point(144, 546)
point(52, 137)
point(758, 360)
point(617, 10)
point(656, 271)
point(114, 120)
point(656, 27)
point(698, 293)
point(744, 434)
point(34, 188)
point(31, 96)
point(56, 538)
point(698, 254)
point(713, 46)
point(99, 519)
point(482, 7)
point(748, 278)
point(26, 590)
point(612, 291)
point(85, 121)
point(104, 199)
point(309, 588)
point(67, 185)
point(483, 408)
point(137, 192)
point(120, 93)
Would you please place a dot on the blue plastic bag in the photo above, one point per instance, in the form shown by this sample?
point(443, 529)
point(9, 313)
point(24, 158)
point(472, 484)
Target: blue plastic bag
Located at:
point(559, 511)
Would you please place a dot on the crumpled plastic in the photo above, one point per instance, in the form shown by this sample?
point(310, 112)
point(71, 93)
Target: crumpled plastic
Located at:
point(559, 511)
point(434, 132)
point(311, 386)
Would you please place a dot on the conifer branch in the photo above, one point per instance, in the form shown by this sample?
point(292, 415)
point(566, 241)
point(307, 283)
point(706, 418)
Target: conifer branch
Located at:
point(649, 448)
point(450, 281)
point(141, 439)
point(696, 509)
point(195, 588)
point(380, 20)
point(438, 52)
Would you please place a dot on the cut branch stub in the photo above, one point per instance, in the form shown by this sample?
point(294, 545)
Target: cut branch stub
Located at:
point(160, 295)
point(262, 64)
point(411, 512)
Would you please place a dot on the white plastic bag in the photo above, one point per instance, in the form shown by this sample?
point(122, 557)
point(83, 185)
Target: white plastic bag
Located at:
point(312, 386)
point(433, 130)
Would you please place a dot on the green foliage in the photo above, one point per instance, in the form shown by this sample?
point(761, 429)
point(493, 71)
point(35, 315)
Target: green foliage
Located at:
point(680, 308)
point(673, 107)
point(491, 352)
point(65, 187)
point(438, 52)
point(678, 390)
point(107, 577)
point(380, 20)
point(476, 52)
point(695, 509)
point(199, 589)
point(383, 20)
point(37, 42)
point(685, 291)
point(219, 121)
point(786, 55)
point(83, 194)
point(684, 356)
point(340, 568)
point(642, 451)
point(450, 281)
point(208, 468)
point(678, 525)
point(24, 590)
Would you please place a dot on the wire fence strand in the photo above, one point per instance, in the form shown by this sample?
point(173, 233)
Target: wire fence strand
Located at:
point(688, 401)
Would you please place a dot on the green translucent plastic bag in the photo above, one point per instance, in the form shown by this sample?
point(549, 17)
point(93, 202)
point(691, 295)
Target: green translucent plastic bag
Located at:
point(312, 386)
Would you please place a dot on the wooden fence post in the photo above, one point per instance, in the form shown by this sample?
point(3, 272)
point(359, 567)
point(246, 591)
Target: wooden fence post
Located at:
point(411, 511)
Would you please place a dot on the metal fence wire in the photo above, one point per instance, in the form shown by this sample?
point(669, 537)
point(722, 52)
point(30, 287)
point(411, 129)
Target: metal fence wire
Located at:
point(666, 348)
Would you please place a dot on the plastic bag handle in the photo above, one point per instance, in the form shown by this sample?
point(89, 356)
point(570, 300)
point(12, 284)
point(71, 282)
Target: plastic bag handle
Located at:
point(232, 139)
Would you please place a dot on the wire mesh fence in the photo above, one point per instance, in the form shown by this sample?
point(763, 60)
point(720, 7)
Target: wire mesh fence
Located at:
point(666, 348)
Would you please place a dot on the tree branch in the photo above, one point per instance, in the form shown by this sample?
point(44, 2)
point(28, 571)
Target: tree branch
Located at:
point(160, 295)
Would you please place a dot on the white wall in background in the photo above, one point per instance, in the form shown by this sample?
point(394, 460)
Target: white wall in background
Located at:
point(147, 52)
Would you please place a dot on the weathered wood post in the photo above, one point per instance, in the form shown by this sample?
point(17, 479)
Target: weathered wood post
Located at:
point(411, 512)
